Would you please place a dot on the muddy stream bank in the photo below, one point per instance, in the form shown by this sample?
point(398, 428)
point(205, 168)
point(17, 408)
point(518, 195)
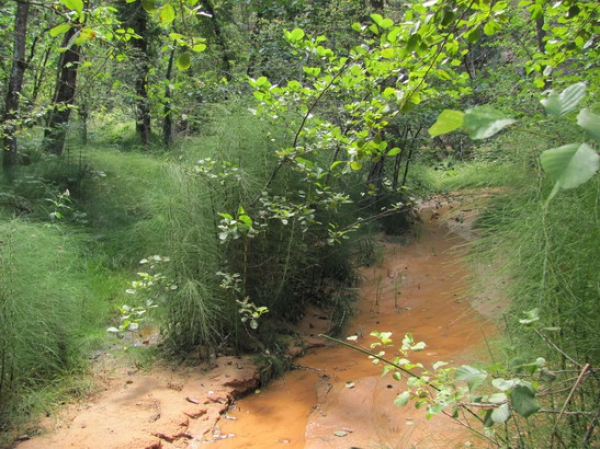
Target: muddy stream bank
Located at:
point(335, 398)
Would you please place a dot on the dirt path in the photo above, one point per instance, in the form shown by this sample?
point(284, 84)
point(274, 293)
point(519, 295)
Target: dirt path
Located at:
point(335, 399)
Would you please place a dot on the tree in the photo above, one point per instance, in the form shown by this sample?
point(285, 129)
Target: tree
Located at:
point(133, 15)
point(64, 94)
point(227, 55)
point(15, 85)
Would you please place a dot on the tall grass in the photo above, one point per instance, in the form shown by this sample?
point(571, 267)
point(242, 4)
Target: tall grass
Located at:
point(141, 204)
point(49, 312)
point(554, 254)
point(547, 259)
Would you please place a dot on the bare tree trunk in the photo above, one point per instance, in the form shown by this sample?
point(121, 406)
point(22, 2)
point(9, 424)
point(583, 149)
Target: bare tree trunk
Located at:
point(227, 56)
point(132, 14)
point(15, 85)
point(64, 96)
point(540, 36)
point(168, 123)
point(142, 106)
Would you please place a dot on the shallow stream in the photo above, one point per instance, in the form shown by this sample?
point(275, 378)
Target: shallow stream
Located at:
point(337, 398)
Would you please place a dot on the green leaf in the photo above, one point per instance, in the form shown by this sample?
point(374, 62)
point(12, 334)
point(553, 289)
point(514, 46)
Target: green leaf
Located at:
point(590, 122)
point(501, 414)
point(447, 122)
point(435, 409)
point(167, 14)
point(60, 29)
point(487, 420)
point(377, 18)
point(532, 315)
point(473, 35)
point(198, 48)
point(503, 384)
point(402, 399)
point(386, 23)
point(570, 165)
point(536, 11)
point(74, 5)
point(483, 122)
point(294, 86)
point(447, 17)
point(184, 61)
point(296, 35)
point(523, 401)
point(473, 376)
point(491, 28)
point(335, 164)
point(354, 165)
point(388, 53)
point(497, 398)
point(313, 71)
point(565, 102)
point(394, 151)
point(149, 6)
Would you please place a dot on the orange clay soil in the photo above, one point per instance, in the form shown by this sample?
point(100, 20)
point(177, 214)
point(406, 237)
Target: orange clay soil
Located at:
point(335, 398)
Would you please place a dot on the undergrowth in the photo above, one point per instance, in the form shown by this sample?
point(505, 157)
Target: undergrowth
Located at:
point(544, 261)
point(52, 313)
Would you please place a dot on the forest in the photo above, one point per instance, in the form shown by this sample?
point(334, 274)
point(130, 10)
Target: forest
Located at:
point(213, 167)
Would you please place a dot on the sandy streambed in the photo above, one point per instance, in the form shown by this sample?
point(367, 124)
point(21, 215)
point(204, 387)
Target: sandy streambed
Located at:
point(335, 398)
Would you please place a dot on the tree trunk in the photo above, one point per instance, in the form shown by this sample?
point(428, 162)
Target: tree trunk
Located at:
point(132, 14)
point(139, 22)
point(64, 96)
point(168, 123)
point(227, 56)
point(142, 107)
point(15, 85)
point(540, 36)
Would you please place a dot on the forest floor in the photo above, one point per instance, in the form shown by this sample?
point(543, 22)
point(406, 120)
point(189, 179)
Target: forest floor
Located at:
point(335, 397)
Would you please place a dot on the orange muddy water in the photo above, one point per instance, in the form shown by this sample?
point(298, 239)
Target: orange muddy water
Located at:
point(335, 398)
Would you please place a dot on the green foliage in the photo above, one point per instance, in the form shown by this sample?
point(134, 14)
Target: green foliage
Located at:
point(150, 288)
point(545, 256)
point(250, 313)
point(261, 210)
point(561, 104)
point(62, 201)
point(479, 399)
point(569, 165)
